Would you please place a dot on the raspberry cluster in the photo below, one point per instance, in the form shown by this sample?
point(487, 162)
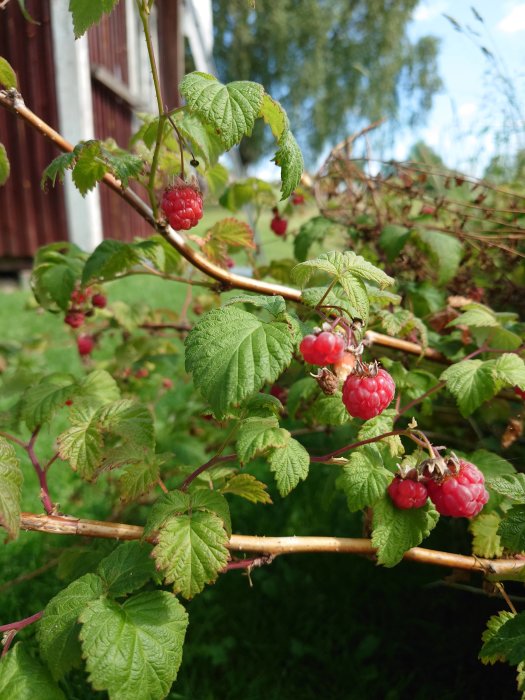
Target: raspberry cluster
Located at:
point(83, 302)
point(182, 205)
point(324, 348)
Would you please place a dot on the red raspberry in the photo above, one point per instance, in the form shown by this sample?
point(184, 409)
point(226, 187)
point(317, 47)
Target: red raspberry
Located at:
point(427, 209)
point(182, 205)
point(74, 319)
point(78, 297)
point(279, 225)
point(99, 300)
point(297, 198)
point(142, 372)
point(366, 397)
point(167, 383)
point(85, 344)
point(519, 392)
point(322, 349)
point(460, 495)
point(406, 493)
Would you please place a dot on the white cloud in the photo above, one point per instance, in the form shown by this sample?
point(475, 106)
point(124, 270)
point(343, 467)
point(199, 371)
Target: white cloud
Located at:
point(430, 10)
point(514, 21)
point(467, 109)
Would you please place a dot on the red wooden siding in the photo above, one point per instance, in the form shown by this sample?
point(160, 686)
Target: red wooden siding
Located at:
point(29, 217)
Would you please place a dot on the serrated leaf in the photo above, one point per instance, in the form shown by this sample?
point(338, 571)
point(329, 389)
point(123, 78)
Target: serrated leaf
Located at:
point(123, 165)
point(396, 531)
point(290, 464)
point(342, 267)
point(171, 504)
point(230, 109)
point(191, 551)
point(491, 464)
point(206, 143)
point(512, 529)
point(24, 678)
point(314, 230)
point(58, 628)
point(4, 165)
point(262, 405)
point(230, 232)
point(129, 420)
point(471, 382)
point(257, 436)
point(364, 479)
point(485, 539)
point(86, 13)
point(507, 641)
point(392, 240)
point(356, 305)
point(7, 75)
point(127, 568)
point(57, 168)
point(232, 354)
point(329, 410)
point(52, 284)
point(88, 169)
point(98, 387)
point(274, 305)
point(250, 190)
point(82, 444)
point(384, 423)
point(494, 624)
point(212, 502)
point(108, 260)
point(42, 401)
point(138, 479)
point(274, 115)
point(445, 250)
point(509, 370)
point(248, 487)
point(290, 159)
point(476, 316)
point(134, 650)
point(510, 485)
point(10, 489)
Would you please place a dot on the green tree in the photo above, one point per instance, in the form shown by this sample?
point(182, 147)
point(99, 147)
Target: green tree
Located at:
point(332, 63)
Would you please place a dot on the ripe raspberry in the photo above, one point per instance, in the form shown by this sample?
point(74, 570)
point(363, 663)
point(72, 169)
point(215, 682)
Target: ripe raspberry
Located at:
point(322, 349)
point(297, 198)
point(407, 493)
point(167, 383)
point(141, 373)
point(460, 495)
point(182, 205)
point(428, 209)
point(85, 344)
point(77, 297)
point(279, 225)
point(366, 397)
point(519, 392)
point(99, 300)
point(74, 319)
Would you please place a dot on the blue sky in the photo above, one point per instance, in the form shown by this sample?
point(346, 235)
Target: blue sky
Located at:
point(469, 113)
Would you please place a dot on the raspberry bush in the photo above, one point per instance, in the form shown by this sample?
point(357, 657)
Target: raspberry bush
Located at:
point(324, 391)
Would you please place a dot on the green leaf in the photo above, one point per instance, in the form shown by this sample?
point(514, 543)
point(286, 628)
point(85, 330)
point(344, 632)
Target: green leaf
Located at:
point(290, 159)
point(314, 230)
point(191, 551)
point(471, 382)
point(290, 464)
point(58, 628)
point(134, 650)
point(274, 305)
point(392, 240)
point(493, 626)
point(329, 410)
point(88, 169)
point(231, 354)
point(138, 479)
point(10, 489)
point(7, 75)
point(446, 251)
point(258, 435)
point(24, 678)
point(342, 267)
point(228, 232)
point(98, 387)
point(230, 109)
point(509, 485)
point(212, 502)
point(509, 370)
point(262, 405)
point(486, 542)
point(364, 479)
point(512, 529)
point(476, 316)
point(4, 165)
point(86, 13)
point(129, 420)
point(122, 164)
point(356, 304)
point(206, 144)
point(384, 423)
point(396, 531)
point(274, 115)
point(109, 260)
point(169, 505)
point(248, 487)
point(41, 401)
point(52, 284)
point(127, 568)
point(491, 464)
point(507, 641)
point(57, 168)
point(82, 444)
point(250, 190)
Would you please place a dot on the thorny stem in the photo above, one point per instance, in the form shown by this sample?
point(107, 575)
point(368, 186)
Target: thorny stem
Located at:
point(41, 474)
point(368, 441)
point(13, 627)
point(250, 563)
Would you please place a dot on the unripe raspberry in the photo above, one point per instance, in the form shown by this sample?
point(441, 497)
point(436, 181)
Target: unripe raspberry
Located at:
point(366, 397)
point(85, 344)
point(142, 372)
point(407, 493)
point(322, 349)
point(344, 366)
point(182, 205)
point(460, 495)
point(74, 319)
point(99, 300)
point(279, 225)
point(519, 392)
